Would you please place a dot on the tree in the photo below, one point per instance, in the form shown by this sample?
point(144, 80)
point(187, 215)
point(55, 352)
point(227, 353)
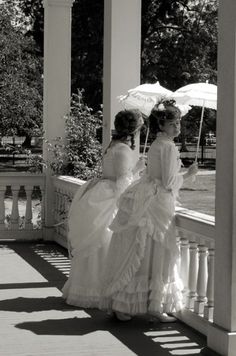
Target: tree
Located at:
point(20, 79)
point(179, 42)
point(87, 44)
point(87, 50)
point(179, 47)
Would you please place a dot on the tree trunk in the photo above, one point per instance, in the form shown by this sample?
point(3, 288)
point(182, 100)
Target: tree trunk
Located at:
point(27, 141)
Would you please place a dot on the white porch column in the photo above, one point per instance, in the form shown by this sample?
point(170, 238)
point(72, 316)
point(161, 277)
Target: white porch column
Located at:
point(57, 81)
point(122, 47)
point(222, 334)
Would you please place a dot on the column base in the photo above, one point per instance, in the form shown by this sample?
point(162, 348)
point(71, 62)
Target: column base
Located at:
point(199, 307)
point(208, 312)
point(208, 352)
point(221, 341)
point(191, 301)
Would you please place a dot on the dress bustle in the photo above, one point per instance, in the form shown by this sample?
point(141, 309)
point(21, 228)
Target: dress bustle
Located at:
point(92, 211)
point(142, 264)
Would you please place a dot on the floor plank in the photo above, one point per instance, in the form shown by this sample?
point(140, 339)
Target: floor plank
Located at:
point(35, 321)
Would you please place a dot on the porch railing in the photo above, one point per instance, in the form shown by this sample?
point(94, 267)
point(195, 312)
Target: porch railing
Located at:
point(21, 206)
point(196, 242)
point(197, 250)
point(22, 218)
point(65, 188)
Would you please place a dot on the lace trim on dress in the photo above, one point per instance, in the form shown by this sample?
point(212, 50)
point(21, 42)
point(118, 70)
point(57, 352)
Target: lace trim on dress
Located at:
point(131, 267)
point(163, 297)
point(164, 135)
point(83, 301)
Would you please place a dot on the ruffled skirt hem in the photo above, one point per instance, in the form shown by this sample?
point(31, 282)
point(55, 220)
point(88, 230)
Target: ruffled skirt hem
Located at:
point(83, 301)
point(149, 301)
point(81, 297)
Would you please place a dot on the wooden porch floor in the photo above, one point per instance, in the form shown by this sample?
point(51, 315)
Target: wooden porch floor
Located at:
point(35, 321)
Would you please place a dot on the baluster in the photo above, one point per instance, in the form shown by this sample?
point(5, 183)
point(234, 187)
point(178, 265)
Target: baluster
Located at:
point(2, 208)
point(209, 308)
point(179, 259)
point(201, 281)
point(56, 205)
point(59, 205)
point(63, 212)
point(193, 271)
point(65, 215)
point(42, 206)
point(184, 264)
point(69, 201)
point(70, 197)
point(28, 212)
point(67, 204)
point(14, 220)
point(60, 208)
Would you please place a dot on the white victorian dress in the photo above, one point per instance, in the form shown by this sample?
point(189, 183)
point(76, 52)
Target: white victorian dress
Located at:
point(141, 274)
point(92, 211)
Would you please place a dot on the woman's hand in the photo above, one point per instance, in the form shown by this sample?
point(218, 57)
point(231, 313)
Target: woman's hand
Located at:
point(193, 169)
point(191, 172)
point(140, 165)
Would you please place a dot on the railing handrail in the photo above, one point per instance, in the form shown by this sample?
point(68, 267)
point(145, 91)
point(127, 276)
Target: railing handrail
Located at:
point(68, 179)
point(21, 174)
point(184, 217)
point(199, 224)
point(22, 177)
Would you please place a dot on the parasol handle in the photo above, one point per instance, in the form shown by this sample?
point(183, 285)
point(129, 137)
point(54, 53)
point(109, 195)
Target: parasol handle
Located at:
point(200, 131)
point(146, 139)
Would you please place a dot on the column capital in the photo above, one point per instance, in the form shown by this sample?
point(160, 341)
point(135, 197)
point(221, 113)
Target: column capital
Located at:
point(61, 3)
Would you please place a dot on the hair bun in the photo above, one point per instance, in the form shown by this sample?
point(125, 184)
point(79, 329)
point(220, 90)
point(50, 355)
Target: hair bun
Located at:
point(163, 111)
point(127, 121)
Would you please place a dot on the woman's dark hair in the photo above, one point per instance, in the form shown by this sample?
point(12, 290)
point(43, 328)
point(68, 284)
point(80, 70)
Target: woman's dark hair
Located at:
point(126, 123)
point(162, 112)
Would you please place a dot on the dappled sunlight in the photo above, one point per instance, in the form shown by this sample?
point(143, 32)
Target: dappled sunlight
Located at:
point(55, 258)
point(179, 345)
point(174, 341)
point(36, 309)
point(185, 352)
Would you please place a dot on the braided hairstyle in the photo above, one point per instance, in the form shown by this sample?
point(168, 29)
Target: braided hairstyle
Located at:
point(162, 112)
point(126, 124)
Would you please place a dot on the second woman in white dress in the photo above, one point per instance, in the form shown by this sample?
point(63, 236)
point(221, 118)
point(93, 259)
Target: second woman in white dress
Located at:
point(93, 209)
point(141, 274)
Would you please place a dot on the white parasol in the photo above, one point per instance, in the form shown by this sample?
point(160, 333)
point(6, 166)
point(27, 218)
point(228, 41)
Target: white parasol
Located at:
point(197, 94)
point(144, 97)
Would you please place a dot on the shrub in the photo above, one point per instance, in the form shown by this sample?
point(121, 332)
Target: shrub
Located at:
point(80, 154)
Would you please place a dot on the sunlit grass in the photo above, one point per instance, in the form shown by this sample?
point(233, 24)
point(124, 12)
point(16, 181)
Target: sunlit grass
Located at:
point(200, 194)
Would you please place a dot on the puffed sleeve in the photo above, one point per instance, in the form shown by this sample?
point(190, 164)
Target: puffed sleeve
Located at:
point(171, 178)
point(123, 163)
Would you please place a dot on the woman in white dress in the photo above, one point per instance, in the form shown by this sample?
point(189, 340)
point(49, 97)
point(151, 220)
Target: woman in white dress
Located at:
point(93, 209)
point(141, 274)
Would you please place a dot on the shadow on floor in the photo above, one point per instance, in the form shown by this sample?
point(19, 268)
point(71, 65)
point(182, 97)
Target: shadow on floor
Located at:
point(29, 305)
point(143, 337)
point(139, 335)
